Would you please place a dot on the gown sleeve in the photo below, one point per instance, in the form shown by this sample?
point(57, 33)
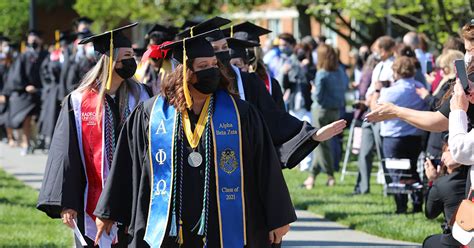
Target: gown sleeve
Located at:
point(273, 192)
point(277, 95)
point(64, 179)
point(292, 137)
point(119, 198)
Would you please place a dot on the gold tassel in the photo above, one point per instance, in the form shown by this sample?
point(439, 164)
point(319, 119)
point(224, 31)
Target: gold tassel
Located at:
point(231, 31)
point(191, 32)
point(187, 95)
point(22, 47)
point(180, 233)
point(56, 36)
point(111, 61)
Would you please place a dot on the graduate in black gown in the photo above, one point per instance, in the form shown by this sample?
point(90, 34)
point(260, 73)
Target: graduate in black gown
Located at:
point(52, 89)
point(82, 146)
point(24, 88)
point(6, 59)
point(250, 32)
point(80, 62)
point(293, 138)
point(154, 69)
point(192, 219)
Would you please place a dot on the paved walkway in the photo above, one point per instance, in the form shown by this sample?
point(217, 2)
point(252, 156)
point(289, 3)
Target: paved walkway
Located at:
point(309, 231)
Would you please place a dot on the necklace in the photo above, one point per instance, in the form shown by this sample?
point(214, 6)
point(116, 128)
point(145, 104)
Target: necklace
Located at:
point(195, 158)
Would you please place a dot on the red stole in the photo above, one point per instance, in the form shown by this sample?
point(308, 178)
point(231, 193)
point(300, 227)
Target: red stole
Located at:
point(92, 140)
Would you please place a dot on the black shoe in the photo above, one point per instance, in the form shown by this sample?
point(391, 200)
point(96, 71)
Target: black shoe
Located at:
point(358, 192)
point(401, 211)
point(417, 209)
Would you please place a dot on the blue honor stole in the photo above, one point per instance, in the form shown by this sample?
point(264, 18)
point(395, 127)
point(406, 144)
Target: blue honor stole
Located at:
point(228, 168)
point(227, 137)
point(160, 136)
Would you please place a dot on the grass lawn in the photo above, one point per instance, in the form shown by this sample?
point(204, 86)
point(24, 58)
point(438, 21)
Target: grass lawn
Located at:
point(21, 225)
point(370, 213)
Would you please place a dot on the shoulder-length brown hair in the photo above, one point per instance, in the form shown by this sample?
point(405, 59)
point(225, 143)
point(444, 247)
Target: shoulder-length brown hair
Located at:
point(327, 58)
point(172, 86)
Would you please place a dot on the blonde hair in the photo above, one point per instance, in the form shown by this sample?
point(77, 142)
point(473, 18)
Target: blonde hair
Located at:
point(447, 59)
point(96, 78)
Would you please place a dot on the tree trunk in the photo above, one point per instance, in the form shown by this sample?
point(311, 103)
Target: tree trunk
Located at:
point(304, 22)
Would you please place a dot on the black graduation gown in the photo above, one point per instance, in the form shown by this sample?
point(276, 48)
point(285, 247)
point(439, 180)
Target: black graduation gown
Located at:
point(277, 95)
point(152, 79)
point(126, 196)
point(50, 105)
point(3, 106)
point(64, 179)
point(24, 71)
point(65, 67)
point(292, 137)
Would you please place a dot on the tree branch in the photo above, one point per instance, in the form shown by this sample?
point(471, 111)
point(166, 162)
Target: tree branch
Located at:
point(363, 37)
point(402, 24)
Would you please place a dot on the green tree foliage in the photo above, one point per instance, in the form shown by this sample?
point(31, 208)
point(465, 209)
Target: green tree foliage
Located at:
point(436, 18)
point(109, 13)
point(13, 18)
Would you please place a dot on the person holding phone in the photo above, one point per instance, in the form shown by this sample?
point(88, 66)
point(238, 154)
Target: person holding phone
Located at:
point(447, 181)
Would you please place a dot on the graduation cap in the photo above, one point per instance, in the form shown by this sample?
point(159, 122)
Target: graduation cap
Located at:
point(188, 24)
point(139, 51)
point(4, 38)
point(83, 35)
point(102, 42)
point(238, 48)
point(166, 30)
point(35, 32)
point(205, 26)
point(83, 19)
point(191, 48)
point(106, 42)
point(246, 31)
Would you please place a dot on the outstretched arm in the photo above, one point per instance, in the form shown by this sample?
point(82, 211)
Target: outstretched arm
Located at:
point(425, 120)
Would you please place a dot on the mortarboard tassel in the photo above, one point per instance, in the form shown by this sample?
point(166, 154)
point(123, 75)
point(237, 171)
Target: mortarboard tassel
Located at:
point(111, 61)
point(22, 47)
point(191, 31)
point(187, 95)
point(56, 37)
point(231, 31)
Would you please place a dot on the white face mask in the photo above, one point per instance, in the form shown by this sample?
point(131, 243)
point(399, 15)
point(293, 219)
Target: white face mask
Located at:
point(90, 52)
point(467, 58)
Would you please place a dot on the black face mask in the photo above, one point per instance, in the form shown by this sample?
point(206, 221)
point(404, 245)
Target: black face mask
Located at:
point(34, 45)
point(207, 80)
point(224, 57)
point(129, 66)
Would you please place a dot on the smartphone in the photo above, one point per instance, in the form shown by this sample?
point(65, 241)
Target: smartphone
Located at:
point(436, 162)
point(460, 66)
point(429, 66)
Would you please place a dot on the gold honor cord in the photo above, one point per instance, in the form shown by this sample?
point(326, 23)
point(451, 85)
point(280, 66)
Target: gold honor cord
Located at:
point(187, 95)
point(111, 61)
point(193, 138)
point(56, 37)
